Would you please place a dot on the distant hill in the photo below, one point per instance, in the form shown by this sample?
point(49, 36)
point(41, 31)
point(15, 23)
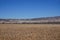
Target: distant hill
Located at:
point(44, 20)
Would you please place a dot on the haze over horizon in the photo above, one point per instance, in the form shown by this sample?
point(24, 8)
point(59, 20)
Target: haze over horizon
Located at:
point(29, 8)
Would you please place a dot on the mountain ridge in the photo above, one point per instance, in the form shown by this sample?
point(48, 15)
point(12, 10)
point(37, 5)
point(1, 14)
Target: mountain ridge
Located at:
point(55, 19)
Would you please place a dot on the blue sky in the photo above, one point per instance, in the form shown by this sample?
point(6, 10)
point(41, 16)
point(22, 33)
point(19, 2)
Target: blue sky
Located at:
point(29, 8)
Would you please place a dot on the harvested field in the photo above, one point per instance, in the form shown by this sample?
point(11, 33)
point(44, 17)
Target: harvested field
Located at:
point(29, 31)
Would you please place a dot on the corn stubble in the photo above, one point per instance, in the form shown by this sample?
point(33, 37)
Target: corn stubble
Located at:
point(29, 32)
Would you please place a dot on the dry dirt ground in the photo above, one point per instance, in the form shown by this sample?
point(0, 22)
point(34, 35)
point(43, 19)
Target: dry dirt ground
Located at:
point(29, 31)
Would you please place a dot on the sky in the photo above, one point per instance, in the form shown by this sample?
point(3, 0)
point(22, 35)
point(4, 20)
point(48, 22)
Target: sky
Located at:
point(29, 8)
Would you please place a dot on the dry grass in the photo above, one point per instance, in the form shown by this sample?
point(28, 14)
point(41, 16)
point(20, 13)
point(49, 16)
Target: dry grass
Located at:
point(29, 32)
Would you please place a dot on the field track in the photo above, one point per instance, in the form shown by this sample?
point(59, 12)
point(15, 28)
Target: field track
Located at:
point(29, 31)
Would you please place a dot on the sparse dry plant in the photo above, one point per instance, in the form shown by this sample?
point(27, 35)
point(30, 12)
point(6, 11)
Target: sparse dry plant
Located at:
point(29, 32)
